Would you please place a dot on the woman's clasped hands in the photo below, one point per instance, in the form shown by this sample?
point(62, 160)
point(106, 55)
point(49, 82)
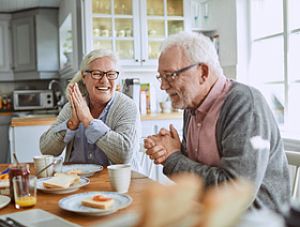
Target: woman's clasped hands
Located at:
point(80, 109)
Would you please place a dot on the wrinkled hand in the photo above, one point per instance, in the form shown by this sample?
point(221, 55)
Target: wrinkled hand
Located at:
point(73, 123)
point(154, 149)
point(80, 106)
point(159, 147)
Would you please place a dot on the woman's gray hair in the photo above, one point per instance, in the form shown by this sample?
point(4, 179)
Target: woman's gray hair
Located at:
point(196, 47)
point(91, 56)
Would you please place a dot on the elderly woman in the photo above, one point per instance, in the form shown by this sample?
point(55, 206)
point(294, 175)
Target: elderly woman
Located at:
point(99, 125)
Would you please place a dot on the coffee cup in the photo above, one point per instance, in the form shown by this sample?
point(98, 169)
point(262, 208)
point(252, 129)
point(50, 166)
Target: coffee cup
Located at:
point(41, 162)
point(120, 177)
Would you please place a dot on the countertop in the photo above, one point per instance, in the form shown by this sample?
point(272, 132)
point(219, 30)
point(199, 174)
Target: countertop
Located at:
point(47, 119)
point(6, 113)
point(32, 120)
point(162, 116)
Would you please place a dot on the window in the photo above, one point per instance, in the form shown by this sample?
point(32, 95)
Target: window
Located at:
point(275, 54)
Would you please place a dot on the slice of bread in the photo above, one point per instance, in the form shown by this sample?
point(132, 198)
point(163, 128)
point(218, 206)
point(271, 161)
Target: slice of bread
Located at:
point(61, 180)
point(75, 171)
point(90, 202)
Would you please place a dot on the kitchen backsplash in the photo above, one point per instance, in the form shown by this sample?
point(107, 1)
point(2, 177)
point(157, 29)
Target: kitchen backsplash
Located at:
point(9, 87)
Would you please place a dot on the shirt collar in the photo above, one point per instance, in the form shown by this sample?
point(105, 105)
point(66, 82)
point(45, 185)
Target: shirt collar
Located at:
point(214, 93)
point(104, 112)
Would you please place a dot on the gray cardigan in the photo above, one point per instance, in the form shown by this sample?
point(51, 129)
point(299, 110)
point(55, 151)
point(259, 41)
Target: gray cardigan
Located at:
point(119, 143)
point(244, 114)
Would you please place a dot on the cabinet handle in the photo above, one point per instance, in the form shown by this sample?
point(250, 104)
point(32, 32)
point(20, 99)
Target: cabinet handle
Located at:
point(143, 60)
point(137, 60)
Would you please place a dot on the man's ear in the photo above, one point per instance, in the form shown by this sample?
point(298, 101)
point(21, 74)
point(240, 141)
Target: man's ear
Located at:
point(205, 71)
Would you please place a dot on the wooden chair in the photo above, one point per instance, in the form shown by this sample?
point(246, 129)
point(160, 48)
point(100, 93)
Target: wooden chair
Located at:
point(293, 158)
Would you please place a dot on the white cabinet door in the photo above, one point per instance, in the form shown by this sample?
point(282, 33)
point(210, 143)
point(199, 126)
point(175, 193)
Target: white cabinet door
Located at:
point(5, 47)
point(133, 28)
point(23, 44)
point(24, 140)
point(35, 44)
point(147, 167)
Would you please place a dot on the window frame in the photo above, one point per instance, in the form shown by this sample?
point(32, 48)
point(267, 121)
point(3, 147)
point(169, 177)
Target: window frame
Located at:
point(291, 140)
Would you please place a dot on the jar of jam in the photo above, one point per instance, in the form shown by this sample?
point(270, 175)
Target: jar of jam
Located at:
point(20, 169)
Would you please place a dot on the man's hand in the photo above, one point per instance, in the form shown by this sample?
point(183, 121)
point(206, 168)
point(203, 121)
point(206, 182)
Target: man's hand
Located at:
point(159, 147)
point(154, 149)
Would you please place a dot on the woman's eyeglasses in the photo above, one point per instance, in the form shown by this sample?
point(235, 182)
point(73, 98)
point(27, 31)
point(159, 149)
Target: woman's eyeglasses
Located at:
point(98, 75)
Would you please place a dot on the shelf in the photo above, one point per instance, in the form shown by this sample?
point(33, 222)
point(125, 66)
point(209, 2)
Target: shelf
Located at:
point(205, 31)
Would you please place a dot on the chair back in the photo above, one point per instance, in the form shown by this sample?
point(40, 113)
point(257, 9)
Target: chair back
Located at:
point(293, 158)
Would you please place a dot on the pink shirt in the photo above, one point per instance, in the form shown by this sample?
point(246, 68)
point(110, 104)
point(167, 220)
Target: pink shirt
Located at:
point(201, 132)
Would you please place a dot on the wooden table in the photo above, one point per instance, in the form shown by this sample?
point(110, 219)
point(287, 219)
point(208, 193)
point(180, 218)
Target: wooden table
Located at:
point(99, 182)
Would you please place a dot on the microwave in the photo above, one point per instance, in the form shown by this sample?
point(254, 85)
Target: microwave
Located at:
point(33, 99)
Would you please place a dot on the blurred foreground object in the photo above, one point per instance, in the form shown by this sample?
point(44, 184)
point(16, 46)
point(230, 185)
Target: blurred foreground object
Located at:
point(186, 204)
point(224, 204)
point(172, 205)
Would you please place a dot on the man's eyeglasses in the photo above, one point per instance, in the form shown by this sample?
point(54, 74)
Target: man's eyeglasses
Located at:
point(170, 76)
point(98, 75)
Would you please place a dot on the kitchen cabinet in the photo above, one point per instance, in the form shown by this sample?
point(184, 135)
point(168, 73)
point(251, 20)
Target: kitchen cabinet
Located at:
point(4, 128)
point(134, 28)
point(201, 21)
point(25, 141)
point(35, 44)
point(71, 38)
point(6, 73)
point(25, 133)
point(151, 124)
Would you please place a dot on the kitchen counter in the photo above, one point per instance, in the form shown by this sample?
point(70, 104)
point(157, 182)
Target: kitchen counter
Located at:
point(47, 119)
point(30, 120)
point(6, 113)
point(162, 116)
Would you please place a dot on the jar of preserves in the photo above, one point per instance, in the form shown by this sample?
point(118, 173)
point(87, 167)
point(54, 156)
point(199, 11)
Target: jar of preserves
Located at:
point(18, 169)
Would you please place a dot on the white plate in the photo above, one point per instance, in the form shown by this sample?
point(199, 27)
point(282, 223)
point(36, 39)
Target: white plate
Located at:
point(86, 170)
point(73, 203)
point(4, 183)
point(82, 182)
point(4, 200)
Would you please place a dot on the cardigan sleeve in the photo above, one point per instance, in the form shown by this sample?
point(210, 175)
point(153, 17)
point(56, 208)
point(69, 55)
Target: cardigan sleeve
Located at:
point(52, 141)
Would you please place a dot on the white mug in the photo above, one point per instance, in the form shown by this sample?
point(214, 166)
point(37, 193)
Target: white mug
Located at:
point(42, 161)
point(120, 177)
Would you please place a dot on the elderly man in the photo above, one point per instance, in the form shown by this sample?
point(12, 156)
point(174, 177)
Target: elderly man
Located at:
point(229, 131)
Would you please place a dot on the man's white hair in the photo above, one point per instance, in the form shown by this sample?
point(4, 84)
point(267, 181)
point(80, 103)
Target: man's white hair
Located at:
point(197, 48)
